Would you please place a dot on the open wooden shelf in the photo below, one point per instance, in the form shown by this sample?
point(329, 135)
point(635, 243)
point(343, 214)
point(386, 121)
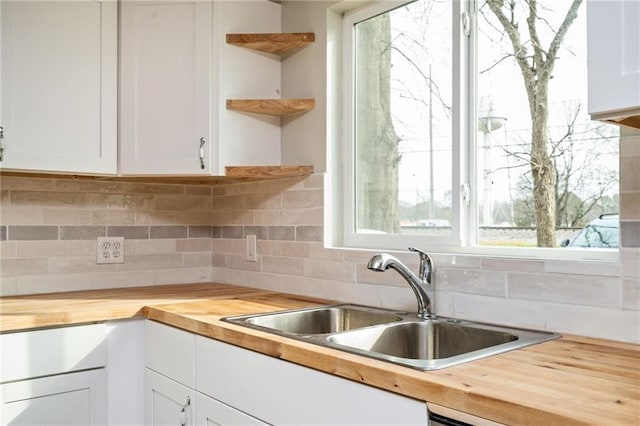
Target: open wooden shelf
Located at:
point(276, 107)
point(233, 174)
point(275, 43)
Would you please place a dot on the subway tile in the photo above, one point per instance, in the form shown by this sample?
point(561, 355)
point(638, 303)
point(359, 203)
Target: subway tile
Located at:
point(271, 282)
point(218, 190)
point(117, 201)
point(184, 275)
point(182, 202)
point(303, 286)
point(295, 249)
point(22, 216)
point(113, 217)
point(283, 265)
point(3, 233)
point(152, 261)
point(35, 232)
point(631, 294)
point(198, 190)
point(242, 217)
point(199, 231)
point(80, 247)
point(580, 267)
point(8, 286)
point(259, 231)
point(630, 259)
point(227, 202)
point(8, 249)
point(66, 217)
point(630, 174)
point(41, 248)
point(318, 251)
point(175, 231)
point(270, 248)
point(315, 180)
point(155, 218)
point(134, 247)
point(82, 185)
point(266, 217)
point(77, 264)
point(305, 199)
point(232, 232)
point(194, 244)
point(630, 206)
point(133, 232)
point(630, 233)
point(497, 310)
point(26, 266)
point(219, 260)
point(23, 183)
point(490, 283)
point(504, 264)
point(614, 324)
point(309, 233)
point(82, 232)
point(239, 261)
point(330, 270)
point(152, 188)
point(585, 290)
point(193, 218)
point(221, 217)
point(287, 233)
point(216, 232)
point(262, 201)
point(192, 260)
point(302, 217)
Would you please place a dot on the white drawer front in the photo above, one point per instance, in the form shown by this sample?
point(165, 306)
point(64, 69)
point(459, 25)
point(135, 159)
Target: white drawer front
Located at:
point(171, 352)
point(51, 351)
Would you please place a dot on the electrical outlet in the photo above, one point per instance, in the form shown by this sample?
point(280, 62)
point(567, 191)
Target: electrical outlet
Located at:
point(252, 249)
point(110, 250)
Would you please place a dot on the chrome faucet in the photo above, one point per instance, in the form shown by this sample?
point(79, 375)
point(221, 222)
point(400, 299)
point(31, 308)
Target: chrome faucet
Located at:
point(419, 284)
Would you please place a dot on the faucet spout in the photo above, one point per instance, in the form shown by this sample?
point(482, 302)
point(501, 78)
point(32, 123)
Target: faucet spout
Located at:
point(383, 261)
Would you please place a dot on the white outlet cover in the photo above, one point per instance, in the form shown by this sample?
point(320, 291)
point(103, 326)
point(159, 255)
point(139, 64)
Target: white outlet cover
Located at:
point(109, 250)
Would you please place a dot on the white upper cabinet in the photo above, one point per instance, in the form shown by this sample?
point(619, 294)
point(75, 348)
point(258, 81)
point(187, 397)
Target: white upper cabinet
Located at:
point(58, 90)
point(165, 87)
point(614, 60)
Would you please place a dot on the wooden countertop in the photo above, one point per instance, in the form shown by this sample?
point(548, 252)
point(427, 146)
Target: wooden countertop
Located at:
point(570, 381)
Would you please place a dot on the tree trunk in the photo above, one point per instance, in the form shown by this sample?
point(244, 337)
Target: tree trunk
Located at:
point(376, 140)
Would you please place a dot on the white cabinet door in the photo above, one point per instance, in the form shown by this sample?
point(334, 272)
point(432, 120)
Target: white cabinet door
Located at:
point(613, 36)
point(67, 399)
point(283, 393)
point(59, 86)
point(165, 87)
point(167, 402)
point(210, 412)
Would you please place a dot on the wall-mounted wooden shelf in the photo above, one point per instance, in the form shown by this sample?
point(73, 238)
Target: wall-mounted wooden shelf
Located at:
point(233, 174)
point(275, 43)
point(276, 107)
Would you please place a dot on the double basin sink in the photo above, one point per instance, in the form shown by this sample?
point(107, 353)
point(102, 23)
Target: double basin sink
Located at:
point(397, 337)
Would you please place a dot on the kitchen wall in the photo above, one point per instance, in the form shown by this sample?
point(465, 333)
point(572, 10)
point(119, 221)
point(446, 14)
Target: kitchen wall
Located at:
point(48, 230)
point(195, 233)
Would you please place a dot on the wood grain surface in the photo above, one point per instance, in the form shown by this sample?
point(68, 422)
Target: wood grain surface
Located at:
point(571, 381)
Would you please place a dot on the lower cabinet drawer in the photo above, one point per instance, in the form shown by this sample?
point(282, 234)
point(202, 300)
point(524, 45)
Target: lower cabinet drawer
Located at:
point(283, 393)
point(170, 351)
point(51, 351)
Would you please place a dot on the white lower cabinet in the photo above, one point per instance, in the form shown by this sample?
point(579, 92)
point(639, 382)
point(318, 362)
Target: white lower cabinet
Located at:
point(211, 412)
point(279, 392)
point(54, 377)
point(64, 399)
point(167, 402)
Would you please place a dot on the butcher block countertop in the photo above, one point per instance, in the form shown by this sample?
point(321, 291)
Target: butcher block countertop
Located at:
point(570, 381)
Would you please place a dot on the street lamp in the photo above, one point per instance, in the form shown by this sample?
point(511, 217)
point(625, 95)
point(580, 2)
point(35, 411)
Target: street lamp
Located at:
point(488, 122)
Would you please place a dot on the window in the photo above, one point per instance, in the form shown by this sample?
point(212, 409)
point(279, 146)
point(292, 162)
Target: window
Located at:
point(441, 147)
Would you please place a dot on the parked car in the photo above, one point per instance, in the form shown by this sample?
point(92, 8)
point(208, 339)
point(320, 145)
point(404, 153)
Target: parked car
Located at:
point(603, 232)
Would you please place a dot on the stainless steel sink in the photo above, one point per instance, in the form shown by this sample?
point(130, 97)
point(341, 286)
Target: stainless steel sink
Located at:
point(397, 337)
point(323, 320)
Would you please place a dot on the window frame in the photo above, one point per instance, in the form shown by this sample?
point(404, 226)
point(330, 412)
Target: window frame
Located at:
point(464, 223)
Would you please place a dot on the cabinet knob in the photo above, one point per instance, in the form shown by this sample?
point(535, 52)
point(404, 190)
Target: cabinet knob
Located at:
point(1, 143)
point(201, 152)
point(183, 412)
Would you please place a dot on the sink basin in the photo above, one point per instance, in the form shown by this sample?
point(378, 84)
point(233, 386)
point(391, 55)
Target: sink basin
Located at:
point(396, 337)
point(425, 340)
point(323, 320)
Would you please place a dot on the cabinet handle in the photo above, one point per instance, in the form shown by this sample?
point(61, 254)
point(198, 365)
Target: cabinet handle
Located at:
point(201, 152)
point(1, 143)
point(183, 412)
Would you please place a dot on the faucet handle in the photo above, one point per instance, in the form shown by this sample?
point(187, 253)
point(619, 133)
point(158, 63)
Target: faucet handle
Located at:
point(426, 265)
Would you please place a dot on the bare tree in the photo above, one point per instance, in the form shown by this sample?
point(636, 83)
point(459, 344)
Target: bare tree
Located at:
point(536, 63)
point(376, 139)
